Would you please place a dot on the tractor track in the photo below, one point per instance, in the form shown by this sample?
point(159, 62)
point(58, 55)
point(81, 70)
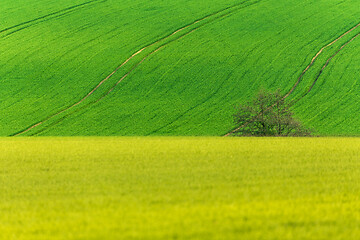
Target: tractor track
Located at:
point(316, 57)
point(46, 17)
point(305, 71)
point(327, 63)
point(232, 9)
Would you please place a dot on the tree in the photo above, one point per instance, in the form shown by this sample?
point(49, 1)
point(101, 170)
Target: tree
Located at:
point(268, 114)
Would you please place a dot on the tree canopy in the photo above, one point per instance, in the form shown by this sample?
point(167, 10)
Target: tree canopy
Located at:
point(268, 114)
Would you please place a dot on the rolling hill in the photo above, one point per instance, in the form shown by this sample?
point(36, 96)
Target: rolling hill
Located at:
point(111, 67)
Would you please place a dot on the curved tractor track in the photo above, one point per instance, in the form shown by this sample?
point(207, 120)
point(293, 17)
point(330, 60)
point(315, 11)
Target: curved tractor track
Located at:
point(223, 13)
point(18, 27)
point(316, 57)
point(327, 63)
point(307, 69)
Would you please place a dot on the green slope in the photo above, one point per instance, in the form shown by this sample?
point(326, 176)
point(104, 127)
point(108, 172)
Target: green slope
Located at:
point(334, 107)
point(186, 80)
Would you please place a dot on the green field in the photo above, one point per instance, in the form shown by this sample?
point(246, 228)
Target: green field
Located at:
point(180, 188)
point(199, 58)
point(118, 90)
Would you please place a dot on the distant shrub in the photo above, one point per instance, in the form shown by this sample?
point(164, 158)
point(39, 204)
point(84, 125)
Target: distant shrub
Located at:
point(268, 114)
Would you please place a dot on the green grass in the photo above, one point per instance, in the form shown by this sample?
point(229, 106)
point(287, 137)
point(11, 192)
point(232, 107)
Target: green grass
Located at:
point(179, 188)
point(339, 89)
point(61, 50)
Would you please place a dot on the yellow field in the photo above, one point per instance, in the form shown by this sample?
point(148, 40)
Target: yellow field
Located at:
point(179, 188)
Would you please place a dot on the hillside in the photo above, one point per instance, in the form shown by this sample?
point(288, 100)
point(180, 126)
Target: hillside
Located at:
point(111, 67)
